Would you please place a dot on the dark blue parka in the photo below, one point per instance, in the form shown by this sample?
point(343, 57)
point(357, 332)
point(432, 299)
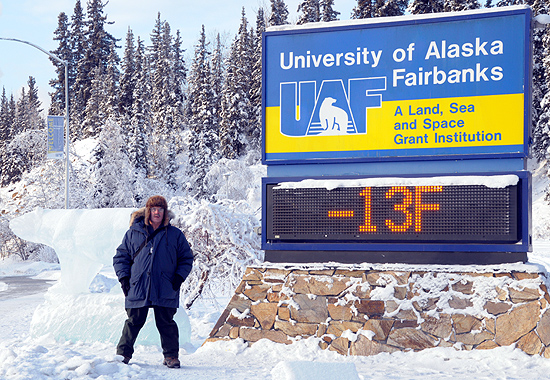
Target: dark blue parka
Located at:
point(153, 271)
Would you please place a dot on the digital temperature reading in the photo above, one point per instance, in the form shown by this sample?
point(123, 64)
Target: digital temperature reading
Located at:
point(450, 213)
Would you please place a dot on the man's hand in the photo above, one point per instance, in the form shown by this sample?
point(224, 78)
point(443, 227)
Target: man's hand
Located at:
point(176, 283)
point(125, 284)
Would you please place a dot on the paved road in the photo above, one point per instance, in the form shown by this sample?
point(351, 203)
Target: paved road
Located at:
point(19, 286)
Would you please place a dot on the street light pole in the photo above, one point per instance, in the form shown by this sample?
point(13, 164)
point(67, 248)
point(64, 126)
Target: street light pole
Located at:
point(66, 64)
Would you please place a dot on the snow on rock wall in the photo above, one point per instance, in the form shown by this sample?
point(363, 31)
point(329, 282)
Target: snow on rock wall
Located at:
point(366, 310)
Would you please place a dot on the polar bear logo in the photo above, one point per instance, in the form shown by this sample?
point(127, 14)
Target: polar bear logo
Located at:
point(334, 120)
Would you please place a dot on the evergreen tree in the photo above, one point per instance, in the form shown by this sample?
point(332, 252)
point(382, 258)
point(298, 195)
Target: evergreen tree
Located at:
point(162, 100)
point(95, 114)
point(141, 112)
point(279, 13)
point(180, 74)
point(100, 41)
point(426, 6)
point(22, 119)
point(460, 5)
point(172, 165)
point(363, 9)
point(111, 85)
point(238, 114)
point(204, 140)
point(391, 8)
point(112, 175)
point(229, 128)
point(256, 86)
point(35, 121)
point(379, 8)
point(540, 107)
point(12, 165)
point(4, 118)
point(78, 72)
point(310, 11)
point(97, 43)
point(246, 49)
point(12, 116)
point(127, 85)
point(216, 74)
point(63, 51)
point(327, 12)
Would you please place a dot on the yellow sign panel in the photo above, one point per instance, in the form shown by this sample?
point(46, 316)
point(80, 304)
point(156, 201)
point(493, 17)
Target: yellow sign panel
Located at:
point(481, 121)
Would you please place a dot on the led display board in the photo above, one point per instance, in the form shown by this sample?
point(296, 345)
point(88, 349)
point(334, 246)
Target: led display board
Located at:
point(448, 219)
point(426, 87)
point(434, 213)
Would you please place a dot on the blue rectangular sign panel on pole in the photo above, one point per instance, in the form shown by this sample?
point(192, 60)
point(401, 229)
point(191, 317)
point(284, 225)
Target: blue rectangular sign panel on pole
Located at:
point(55, 137)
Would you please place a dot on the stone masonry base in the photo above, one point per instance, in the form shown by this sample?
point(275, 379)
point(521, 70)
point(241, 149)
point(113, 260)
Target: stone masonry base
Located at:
point(364, 310)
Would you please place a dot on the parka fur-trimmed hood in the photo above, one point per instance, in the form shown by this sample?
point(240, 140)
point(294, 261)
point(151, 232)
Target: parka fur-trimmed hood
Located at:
point(142, 214)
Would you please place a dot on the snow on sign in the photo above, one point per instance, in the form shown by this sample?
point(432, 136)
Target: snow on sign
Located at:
point(451, 85)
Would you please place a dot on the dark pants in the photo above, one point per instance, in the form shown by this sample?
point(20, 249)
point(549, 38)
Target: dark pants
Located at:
point(167, 327)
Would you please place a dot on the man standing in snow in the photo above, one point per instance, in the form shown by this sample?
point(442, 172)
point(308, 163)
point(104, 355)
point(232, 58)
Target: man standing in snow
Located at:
point(151, 264)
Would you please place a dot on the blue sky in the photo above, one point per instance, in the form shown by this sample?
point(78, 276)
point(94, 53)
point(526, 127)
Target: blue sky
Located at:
point(36, 20)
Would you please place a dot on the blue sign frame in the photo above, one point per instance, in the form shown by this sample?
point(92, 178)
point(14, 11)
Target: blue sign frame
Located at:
point(430, 87)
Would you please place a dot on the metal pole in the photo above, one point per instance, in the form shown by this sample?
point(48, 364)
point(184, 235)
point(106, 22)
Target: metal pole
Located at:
point(66, 64)
point(66, 135)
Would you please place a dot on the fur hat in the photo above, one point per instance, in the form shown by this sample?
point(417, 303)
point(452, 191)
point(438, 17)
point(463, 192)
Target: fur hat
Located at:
point(156, 201)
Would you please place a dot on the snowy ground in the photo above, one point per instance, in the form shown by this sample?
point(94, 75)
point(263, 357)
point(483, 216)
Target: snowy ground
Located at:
point(23, 357)
point(26, 357)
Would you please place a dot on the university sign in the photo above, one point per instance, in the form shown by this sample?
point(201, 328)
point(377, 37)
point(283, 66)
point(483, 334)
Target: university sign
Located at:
point(399, 139)
point(444, 86)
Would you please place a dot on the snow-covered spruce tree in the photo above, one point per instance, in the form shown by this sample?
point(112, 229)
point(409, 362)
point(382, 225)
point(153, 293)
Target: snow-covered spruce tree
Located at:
point(13, 164)
point(180, 75)
point(141, 113)
point(279, 13)
point(25, 151)
point(309, 12)
point(217, 79)
point(378, 8)
point(27, 110)
point(126, 85)
point(63, 51)
point(22, 120)
point(238, 127)
point(230, 145)
point(363, 9)
point(164, 115)
point(36, 121)
point(100, 41)
point(78, 72)
point(460, 5)
point(95, 114)
point(540, 86)
point(417, 7)
point(112, 174)
point(5, 124)
point(246, 50)
point(94, 62)
point(255, 139)
point(112, 89)
point(391, 8)
point(203, 145)
point(327, 11)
